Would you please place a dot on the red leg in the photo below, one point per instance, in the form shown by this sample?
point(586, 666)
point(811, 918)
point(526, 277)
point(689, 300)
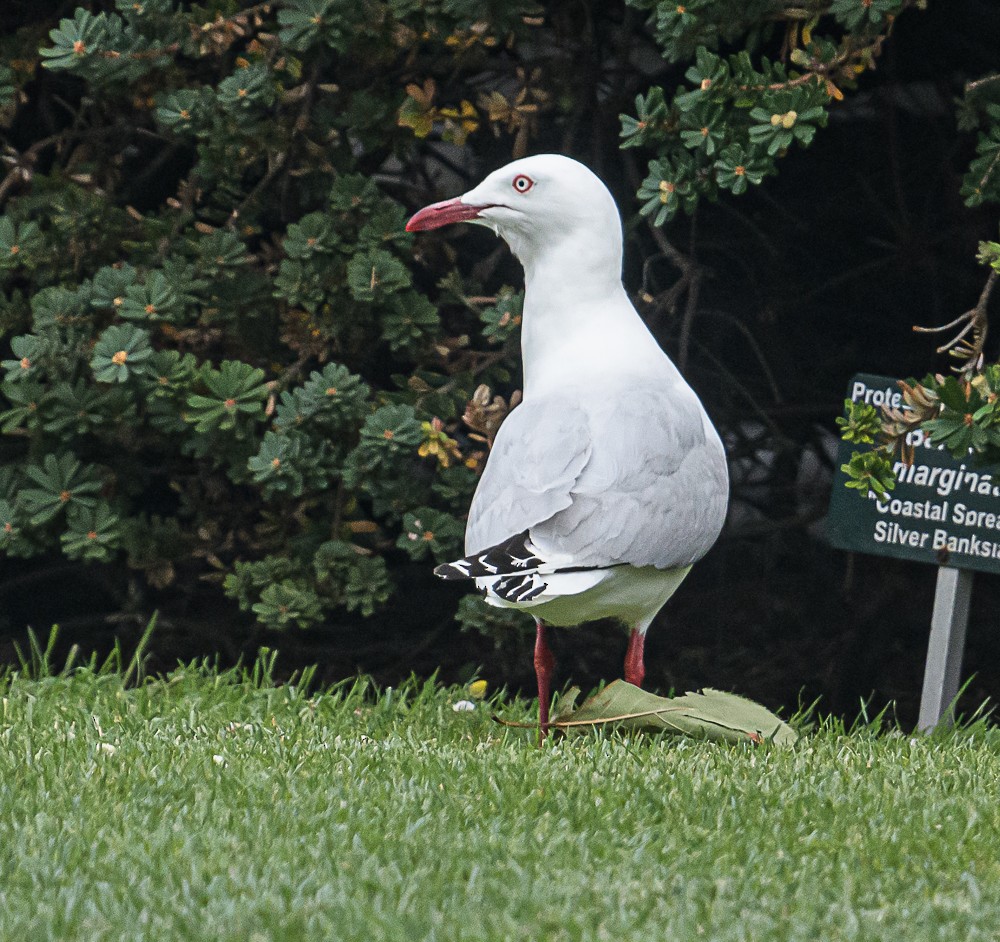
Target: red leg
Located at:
point(635, 669)
point(544, 663)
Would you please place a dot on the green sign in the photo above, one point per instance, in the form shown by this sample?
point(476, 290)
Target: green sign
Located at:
point(942, 510)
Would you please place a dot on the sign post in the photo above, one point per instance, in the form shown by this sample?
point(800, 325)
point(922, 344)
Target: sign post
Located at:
point(942, 672)
point(942, 511)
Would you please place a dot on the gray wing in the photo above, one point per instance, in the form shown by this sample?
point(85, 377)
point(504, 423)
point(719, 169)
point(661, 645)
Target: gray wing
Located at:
point(535, 461)
point(655, 490)
point(639, 478)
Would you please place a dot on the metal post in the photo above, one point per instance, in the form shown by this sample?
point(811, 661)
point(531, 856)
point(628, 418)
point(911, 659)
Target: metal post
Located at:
point(946, 645)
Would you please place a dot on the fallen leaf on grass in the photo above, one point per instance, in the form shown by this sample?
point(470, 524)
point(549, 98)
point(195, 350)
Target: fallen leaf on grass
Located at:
point(709, 714)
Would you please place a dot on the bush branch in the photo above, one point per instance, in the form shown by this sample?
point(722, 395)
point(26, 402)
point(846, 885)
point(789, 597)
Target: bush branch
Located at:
point(977, 321)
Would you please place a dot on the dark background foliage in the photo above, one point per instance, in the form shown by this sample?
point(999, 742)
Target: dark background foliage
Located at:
point(770, 301)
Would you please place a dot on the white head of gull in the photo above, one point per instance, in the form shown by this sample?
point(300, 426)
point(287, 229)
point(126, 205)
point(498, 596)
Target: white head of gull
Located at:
point(608, 481)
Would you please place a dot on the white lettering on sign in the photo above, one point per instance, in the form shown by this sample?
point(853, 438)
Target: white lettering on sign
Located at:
point(916, 509)
point(888, 531)
point(946, 480)
point(944, 509)
point(861, 392)
point(981, 519)
point(970, 545)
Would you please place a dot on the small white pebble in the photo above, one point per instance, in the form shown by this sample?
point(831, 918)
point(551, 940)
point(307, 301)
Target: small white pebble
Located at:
point(464, 706)
point(218, 760)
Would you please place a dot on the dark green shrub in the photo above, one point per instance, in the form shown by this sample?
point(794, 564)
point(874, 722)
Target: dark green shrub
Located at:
point(221, 362)
point(226, 358)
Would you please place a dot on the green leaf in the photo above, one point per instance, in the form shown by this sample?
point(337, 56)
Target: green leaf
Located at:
point(981, 184)
point(74, 40)
point(58, 307)
point(287, 603)
point(737, 167)
point(221, 250)
point(383, 463)
point(431, 531)
point(62, 482)
point(275, 453)
point(19, 244)
point(313, 234)
point(101, 46)
point(354, 193)
point(122, 351)
point(28, 350)
point(870, 472)
point(236, 390)
point(7, 87)
point(704, 128)
point(330, 400)
point(111, 284)
point(709, 714)
point(247, 87)
point(410, 320)
point(13, 540)
point(81, 407)
point(858, 14)
point(649, 125)
point(989, 254)
point(181, 110)
point(861, 425)
point(292, 463)
point(305, 23)
point(958, 396)
point(146, 9)
point(170, 374)
point(474, 614)
point(502, 320)
point(249, 579)
point(393, 427)
point(385, 224)
point(375, 274)
point(667, 188)
point(92, 533)
point(355, 578)
point(25, 399)
point(156, 300)
point(300, 284)
point(709, 68)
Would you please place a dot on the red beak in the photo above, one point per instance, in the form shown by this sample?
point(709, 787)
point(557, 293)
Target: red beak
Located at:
point(442, 214)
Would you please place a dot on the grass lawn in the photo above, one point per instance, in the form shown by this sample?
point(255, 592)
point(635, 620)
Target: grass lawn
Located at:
point(203, 806)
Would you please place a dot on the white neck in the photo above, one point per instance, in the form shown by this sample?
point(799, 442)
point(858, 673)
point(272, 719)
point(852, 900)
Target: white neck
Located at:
point(560, 274)
point(578, 321)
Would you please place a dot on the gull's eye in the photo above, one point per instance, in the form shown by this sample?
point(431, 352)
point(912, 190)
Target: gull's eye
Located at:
point(522, 183)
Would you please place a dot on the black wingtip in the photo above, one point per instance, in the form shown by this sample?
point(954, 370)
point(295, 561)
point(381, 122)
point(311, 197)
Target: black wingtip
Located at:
point(448, 571)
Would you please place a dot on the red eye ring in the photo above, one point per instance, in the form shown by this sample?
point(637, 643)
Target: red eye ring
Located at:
point(522, 183)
